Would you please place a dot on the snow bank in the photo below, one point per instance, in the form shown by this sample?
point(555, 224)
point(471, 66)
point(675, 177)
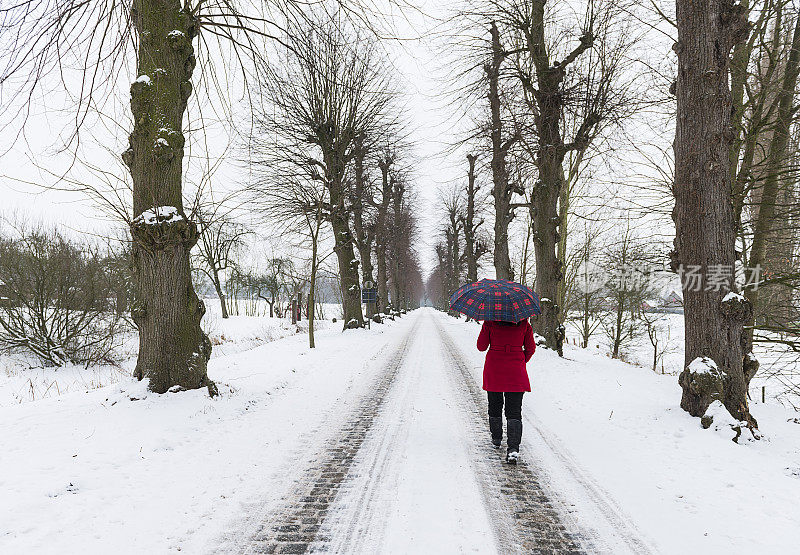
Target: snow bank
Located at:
point(120, 468)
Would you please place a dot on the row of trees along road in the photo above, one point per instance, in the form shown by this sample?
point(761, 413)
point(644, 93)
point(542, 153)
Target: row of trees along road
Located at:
point(544, 99)
point(551, 83)
point(159, 36)
point(326, 148)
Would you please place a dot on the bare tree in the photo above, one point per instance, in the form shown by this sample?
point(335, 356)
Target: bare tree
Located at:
point(362, 201)
point(775, 166)
point(401, 232)
point(585, 299)
point(221, 237)
point(57, 299)
point(630, 261)
point(330, 90)
point(97, 37)
point(474, 246)
point(659, 335)
point(501, 142)
point(387, 159)
point(704, 216)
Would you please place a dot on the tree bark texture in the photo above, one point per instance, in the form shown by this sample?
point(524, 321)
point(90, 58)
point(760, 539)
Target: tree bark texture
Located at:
point(173, 350)
point(704, 213)
point(397, 201)
point(348, 272)
point(501, 191)
point(550, 162)
point(364, 234)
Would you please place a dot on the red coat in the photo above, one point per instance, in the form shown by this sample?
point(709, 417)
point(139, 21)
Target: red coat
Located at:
point(511, 348)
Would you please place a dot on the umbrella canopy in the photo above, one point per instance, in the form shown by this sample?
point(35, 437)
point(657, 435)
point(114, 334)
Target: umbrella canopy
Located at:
point(495, 299)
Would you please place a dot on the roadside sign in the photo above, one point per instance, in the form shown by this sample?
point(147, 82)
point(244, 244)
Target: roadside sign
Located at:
point(369, 295)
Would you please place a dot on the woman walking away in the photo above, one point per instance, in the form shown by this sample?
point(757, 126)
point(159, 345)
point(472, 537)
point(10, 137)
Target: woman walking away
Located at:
point(505, 378)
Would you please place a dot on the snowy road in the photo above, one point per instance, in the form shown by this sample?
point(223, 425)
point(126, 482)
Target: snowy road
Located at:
point(411, 471)
point(376, 442)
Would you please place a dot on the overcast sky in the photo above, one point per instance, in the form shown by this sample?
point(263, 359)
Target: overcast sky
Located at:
point(415, 46)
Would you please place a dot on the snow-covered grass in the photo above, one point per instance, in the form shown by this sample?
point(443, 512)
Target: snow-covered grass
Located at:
point(24, 379)
point(688, 490)
point(121, 469)
point(779, 371)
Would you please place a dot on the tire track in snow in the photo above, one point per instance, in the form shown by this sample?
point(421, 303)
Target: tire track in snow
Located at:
point(620, 526)
point(624, 530)
point(525, 518)
point(360, 513)
point(296, 527)
point(402, 494)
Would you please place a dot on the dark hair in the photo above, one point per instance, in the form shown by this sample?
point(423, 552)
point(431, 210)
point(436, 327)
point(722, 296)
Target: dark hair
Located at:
point(500, 322)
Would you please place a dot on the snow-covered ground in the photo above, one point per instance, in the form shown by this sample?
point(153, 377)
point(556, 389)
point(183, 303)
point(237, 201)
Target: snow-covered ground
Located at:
point(779, 372)
point(120, 469)
point(687, 489)
point(23, 379)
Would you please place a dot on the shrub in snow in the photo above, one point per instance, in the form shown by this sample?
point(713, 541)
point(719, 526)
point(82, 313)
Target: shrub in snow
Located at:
point(63, 301)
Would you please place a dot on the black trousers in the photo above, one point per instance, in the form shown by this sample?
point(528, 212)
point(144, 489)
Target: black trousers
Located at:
point(513, 404)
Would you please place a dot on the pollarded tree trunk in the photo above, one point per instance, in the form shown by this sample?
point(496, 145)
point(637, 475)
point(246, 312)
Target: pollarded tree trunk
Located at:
point(550, 163)
point(397, 201)
point(545, 238)
point(383, 289)
point(501, 191)
point(546, 89)
point(364, 234)
point(468, 222)
point(703, 213)
point(365, 254)
point(348, 271)
point(173, 350)
point(381, 235)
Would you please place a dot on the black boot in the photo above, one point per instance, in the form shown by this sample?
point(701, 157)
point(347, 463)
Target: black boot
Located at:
point(514, 438)
point(496, 428)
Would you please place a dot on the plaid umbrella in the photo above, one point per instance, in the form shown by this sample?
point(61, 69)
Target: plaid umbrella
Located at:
point(495, 299)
